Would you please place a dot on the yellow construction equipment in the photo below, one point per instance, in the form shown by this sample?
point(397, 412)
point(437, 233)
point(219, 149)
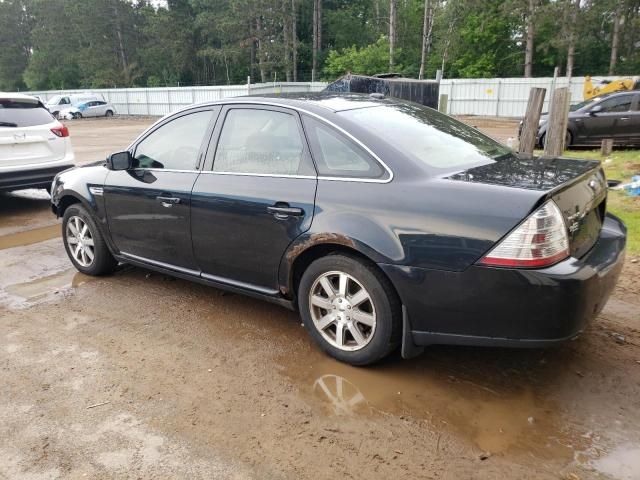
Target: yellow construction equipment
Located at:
point(608, 86)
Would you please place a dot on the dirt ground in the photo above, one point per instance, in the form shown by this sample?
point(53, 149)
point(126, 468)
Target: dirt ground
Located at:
point(139, 375)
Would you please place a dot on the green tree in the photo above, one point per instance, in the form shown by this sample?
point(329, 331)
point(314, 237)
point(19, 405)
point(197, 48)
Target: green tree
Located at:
point(367, 60)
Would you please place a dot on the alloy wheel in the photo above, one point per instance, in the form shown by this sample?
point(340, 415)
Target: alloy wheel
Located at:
point(342, 311)
point(80, 241)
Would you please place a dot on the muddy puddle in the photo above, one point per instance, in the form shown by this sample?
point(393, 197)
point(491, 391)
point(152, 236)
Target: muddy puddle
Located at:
point(43, 288)
point(29, 237)
point(494, 418)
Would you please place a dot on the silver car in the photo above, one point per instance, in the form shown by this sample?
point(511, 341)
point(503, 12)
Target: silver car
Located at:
point(94, 108)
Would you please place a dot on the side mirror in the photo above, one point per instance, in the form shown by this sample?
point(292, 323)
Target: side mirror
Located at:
point(594, 110)
point(120, 161)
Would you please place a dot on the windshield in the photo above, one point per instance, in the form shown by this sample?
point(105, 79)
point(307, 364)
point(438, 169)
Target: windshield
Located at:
point(585, 103)
point(428, 136)
point(54, 100)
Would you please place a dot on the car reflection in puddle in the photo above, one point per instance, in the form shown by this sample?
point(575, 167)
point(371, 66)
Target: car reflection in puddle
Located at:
point(501, 412)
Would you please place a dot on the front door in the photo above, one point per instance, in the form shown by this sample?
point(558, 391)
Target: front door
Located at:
point(611, 121)
point(148, 207)
point(256, 197)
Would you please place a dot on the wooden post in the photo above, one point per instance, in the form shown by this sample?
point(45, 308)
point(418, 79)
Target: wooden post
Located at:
point(531, 121)
point(607, 147)
point(442, 104)
point(556, 127)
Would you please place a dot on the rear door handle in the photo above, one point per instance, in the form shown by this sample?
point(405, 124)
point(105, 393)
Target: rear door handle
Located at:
point(168, 201)
point(283, 210)
point(624, 118)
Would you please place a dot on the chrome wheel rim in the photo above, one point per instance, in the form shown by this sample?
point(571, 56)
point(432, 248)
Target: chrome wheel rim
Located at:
point(80, 241)
point(342, 311)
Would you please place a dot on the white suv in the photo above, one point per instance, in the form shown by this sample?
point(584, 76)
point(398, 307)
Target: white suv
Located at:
point(34, 146)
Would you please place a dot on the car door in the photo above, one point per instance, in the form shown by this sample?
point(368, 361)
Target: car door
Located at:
point(148, 206)
point(256, 196)
point(91, 110)
point(634, 121)
point(612, 121)
point(100, 108)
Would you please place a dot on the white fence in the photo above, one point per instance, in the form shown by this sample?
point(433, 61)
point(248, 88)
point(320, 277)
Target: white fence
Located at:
point(160, 101)
point(495, 97)
point(503, 97)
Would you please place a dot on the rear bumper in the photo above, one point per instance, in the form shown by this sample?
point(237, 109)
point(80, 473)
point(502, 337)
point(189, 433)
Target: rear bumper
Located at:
point(32, 177)
point(511, 307)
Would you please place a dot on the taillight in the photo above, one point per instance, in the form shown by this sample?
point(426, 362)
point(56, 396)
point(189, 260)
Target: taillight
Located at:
point(61, 131)
point(541, 240)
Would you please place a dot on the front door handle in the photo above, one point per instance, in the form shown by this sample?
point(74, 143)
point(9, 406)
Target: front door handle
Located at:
point(283, 210)
point(624, 118)
point(168, 201)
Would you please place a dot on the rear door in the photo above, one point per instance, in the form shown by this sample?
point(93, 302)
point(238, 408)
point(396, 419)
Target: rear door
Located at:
point(25, 134)
point(148, 207)
point(256, 196)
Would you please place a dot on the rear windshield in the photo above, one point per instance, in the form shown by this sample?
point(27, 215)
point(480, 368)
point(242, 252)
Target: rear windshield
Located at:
point(22, 113)
point(428, 136)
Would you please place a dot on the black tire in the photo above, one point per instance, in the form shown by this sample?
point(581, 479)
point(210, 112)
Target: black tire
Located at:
point(103, 262)
point(109, 113)
point(77, 116)
point(386, 305)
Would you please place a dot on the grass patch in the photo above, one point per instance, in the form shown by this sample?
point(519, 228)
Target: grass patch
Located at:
point(620, 165)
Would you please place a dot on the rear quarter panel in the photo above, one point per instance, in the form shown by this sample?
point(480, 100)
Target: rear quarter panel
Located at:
point(438, 224)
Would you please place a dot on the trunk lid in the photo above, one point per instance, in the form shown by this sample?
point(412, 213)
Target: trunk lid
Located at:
point(578, 187)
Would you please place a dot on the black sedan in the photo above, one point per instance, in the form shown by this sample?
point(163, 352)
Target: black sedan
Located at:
point(385, 223)
point(615, 116)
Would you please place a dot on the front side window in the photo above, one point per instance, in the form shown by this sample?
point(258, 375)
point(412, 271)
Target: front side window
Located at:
point(338, 156)
point(617, 104)
point(260, 142)
point(175, 145)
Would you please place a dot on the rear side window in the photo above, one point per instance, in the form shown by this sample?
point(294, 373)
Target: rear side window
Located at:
point(20, 113)
point(258, 141)
point(338, 156)
point(428, 136)
point(174, 145)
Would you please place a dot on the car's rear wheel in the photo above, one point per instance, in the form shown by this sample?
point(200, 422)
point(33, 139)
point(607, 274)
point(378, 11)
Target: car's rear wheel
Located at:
point(109, 113)
point(350, 309)
point(84, 243)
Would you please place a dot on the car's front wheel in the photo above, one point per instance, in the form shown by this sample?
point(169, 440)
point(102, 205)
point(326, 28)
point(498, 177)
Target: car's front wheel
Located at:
point(84, 243)
point(350, 309)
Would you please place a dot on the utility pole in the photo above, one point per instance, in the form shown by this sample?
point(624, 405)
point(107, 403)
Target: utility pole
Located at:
point(393, 18)
point(528, 51)
point(314, 48)
point(615, 38)
point(427, 28)
point(294, 38)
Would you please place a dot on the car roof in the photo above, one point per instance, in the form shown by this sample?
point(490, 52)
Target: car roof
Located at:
point(317, 102)
point(18, 96)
